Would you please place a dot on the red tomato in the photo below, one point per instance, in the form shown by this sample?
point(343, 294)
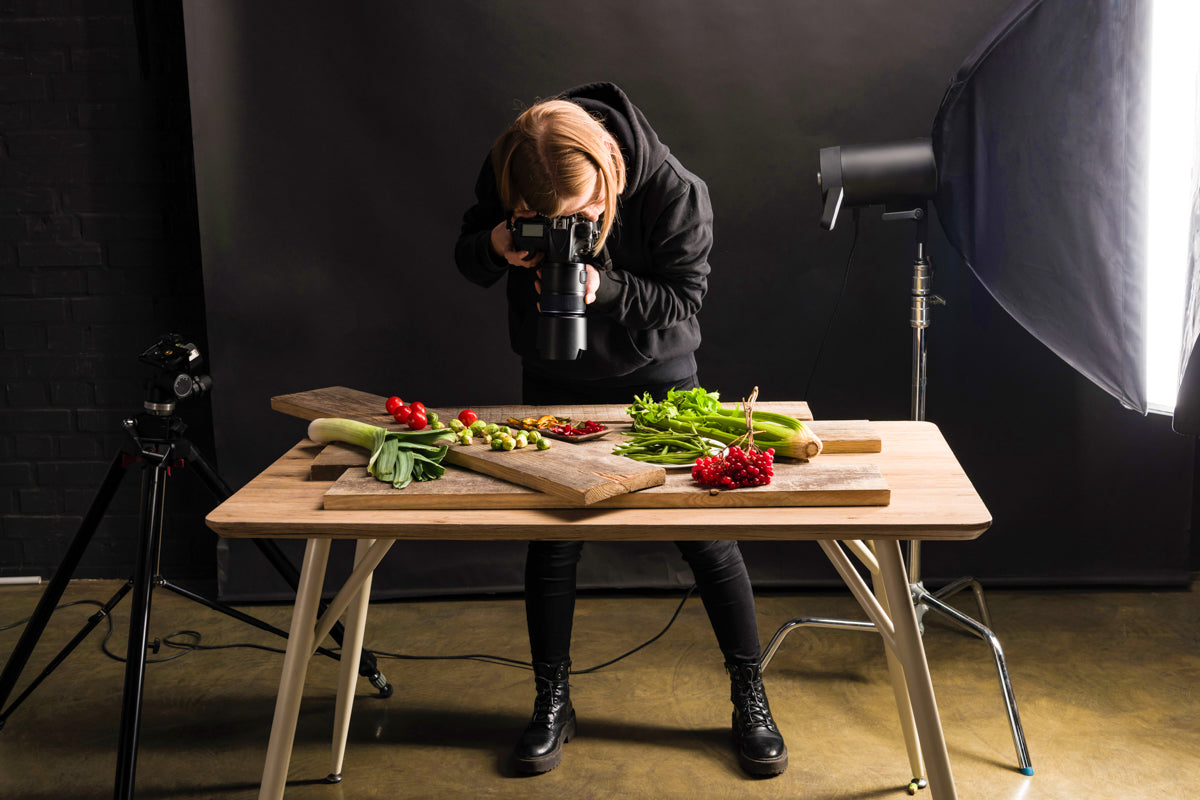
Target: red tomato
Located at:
point(392, 404)
point(467, 416)
point(416, 418)
point(417, 407)
point(401, 414)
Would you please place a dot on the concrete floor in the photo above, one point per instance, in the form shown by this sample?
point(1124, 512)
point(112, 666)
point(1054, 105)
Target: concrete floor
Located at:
point(1106, 682)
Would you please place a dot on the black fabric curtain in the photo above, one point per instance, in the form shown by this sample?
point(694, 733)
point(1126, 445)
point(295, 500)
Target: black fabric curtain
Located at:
point(1041, 149)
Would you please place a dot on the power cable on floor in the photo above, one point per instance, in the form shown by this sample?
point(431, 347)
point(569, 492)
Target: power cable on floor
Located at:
point(185, 647)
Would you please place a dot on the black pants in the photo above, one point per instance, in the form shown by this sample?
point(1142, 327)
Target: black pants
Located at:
point(550, 566)
point(720, 575)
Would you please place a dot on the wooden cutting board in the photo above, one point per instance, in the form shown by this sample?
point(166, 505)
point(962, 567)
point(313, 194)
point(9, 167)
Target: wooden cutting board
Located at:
point(811, 483)
point(576, 477)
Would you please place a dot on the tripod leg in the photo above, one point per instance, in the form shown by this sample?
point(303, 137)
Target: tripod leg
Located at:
point(62, 576)
point(367, 666)
point(68, 648)
point(232, 612)
point(153, 498)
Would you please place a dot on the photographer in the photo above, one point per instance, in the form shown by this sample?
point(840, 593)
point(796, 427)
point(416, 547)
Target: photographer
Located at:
point(591, 152)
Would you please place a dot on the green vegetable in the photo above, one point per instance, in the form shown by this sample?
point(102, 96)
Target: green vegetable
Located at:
point(397, 457)
point(699, 412)
point(658, 447)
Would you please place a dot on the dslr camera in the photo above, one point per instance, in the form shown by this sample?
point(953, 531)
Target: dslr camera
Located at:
point(566, 244)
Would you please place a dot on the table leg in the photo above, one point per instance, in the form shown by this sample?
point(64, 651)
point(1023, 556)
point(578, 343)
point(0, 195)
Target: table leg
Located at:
point(355, 622)
point(300, 647)
point(910, 651)
point(908, 723)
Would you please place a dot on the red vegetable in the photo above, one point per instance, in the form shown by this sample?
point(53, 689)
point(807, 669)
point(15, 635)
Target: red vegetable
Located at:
point(392, 404)
point(467, 416)
point(416, 417)
point(418, 406)
point(401, 414)
point(578, 430)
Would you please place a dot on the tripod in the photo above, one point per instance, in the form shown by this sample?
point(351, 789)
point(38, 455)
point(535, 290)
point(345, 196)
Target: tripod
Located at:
point(923, 599)
point(156, 442)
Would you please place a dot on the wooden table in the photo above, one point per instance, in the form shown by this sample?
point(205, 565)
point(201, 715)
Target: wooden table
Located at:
point(931, 499)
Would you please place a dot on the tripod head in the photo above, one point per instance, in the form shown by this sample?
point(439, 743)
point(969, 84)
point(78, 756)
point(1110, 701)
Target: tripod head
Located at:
point(178, 377)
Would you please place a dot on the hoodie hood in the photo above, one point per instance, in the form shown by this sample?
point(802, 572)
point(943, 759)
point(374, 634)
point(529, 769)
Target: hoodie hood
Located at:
point(640, 146)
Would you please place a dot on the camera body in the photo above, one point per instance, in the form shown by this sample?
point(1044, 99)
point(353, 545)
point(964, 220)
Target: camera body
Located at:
point(567, 245)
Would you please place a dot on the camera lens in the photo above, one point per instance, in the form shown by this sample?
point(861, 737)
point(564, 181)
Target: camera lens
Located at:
point(563, 287)
point(562, 329)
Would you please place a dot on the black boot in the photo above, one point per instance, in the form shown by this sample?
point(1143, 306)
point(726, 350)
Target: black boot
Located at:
point(553, 723)
point(760, 746)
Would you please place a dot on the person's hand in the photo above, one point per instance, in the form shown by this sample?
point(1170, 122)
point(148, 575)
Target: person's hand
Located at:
point(590, 289)
point(593, 285)
point(502, 244)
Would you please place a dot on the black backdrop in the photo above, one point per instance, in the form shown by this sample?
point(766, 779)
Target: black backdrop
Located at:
point(336, 151)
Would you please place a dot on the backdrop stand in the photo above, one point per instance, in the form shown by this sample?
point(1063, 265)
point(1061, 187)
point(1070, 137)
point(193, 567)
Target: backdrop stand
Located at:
point(923, 599)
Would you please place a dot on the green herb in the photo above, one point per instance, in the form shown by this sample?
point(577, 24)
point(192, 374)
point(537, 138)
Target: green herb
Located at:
point(699, 412)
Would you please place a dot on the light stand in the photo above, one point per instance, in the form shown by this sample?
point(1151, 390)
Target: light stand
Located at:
point(902, 176)
point(155, 442)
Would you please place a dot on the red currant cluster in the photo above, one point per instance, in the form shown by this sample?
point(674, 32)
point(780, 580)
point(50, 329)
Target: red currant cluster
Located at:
point(735, 468)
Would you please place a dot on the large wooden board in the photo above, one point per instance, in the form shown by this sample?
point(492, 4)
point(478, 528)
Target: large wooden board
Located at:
point(812, 483)
point(577, 477)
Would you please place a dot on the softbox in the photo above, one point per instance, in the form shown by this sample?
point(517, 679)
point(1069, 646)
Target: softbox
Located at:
point(1041, 147)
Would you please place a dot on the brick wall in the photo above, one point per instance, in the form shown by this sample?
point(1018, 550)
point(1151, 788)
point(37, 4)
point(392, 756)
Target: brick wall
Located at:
point(99, 254)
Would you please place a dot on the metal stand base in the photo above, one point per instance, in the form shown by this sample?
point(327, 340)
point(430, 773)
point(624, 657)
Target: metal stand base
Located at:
point(922, 298)
point(924, 600)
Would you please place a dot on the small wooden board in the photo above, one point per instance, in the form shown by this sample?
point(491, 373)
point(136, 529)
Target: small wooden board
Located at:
point(837, 436)
point(575, 476)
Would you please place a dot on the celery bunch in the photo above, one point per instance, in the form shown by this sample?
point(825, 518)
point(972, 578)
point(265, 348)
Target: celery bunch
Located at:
point(699, 412)
point(397, 457)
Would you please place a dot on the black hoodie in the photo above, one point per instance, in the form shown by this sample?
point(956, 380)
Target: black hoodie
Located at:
point(642, 327)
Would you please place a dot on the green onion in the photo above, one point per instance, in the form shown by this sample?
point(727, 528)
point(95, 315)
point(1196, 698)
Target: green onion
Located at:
point(397, 457)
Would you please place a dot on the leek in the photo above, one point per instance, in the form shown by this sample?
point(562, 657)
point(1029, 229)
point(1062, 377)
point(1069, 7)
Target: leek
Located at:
point(397, 457)
point(699, 412)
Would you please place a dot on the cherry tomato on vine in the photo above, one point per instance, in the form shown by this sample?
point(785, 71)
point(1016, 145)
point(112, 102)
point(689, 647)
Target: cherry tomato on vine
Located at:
point(416, 418)
point(392, 404)
point(467, 416)
point(401, 414)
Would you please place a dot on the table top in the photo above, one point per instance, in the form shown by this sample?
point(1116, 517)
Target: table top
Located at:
point(931, 498)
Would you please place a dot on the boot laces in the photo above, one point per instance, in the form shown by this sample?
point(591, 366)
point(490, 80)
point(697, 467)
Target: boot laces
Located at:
point(753, 708)
point(549, 700)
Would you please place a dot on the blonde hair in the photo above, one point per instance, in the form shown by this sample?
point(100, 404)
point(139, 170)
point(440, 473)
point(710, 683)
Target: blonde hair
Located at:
point(550, 154)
